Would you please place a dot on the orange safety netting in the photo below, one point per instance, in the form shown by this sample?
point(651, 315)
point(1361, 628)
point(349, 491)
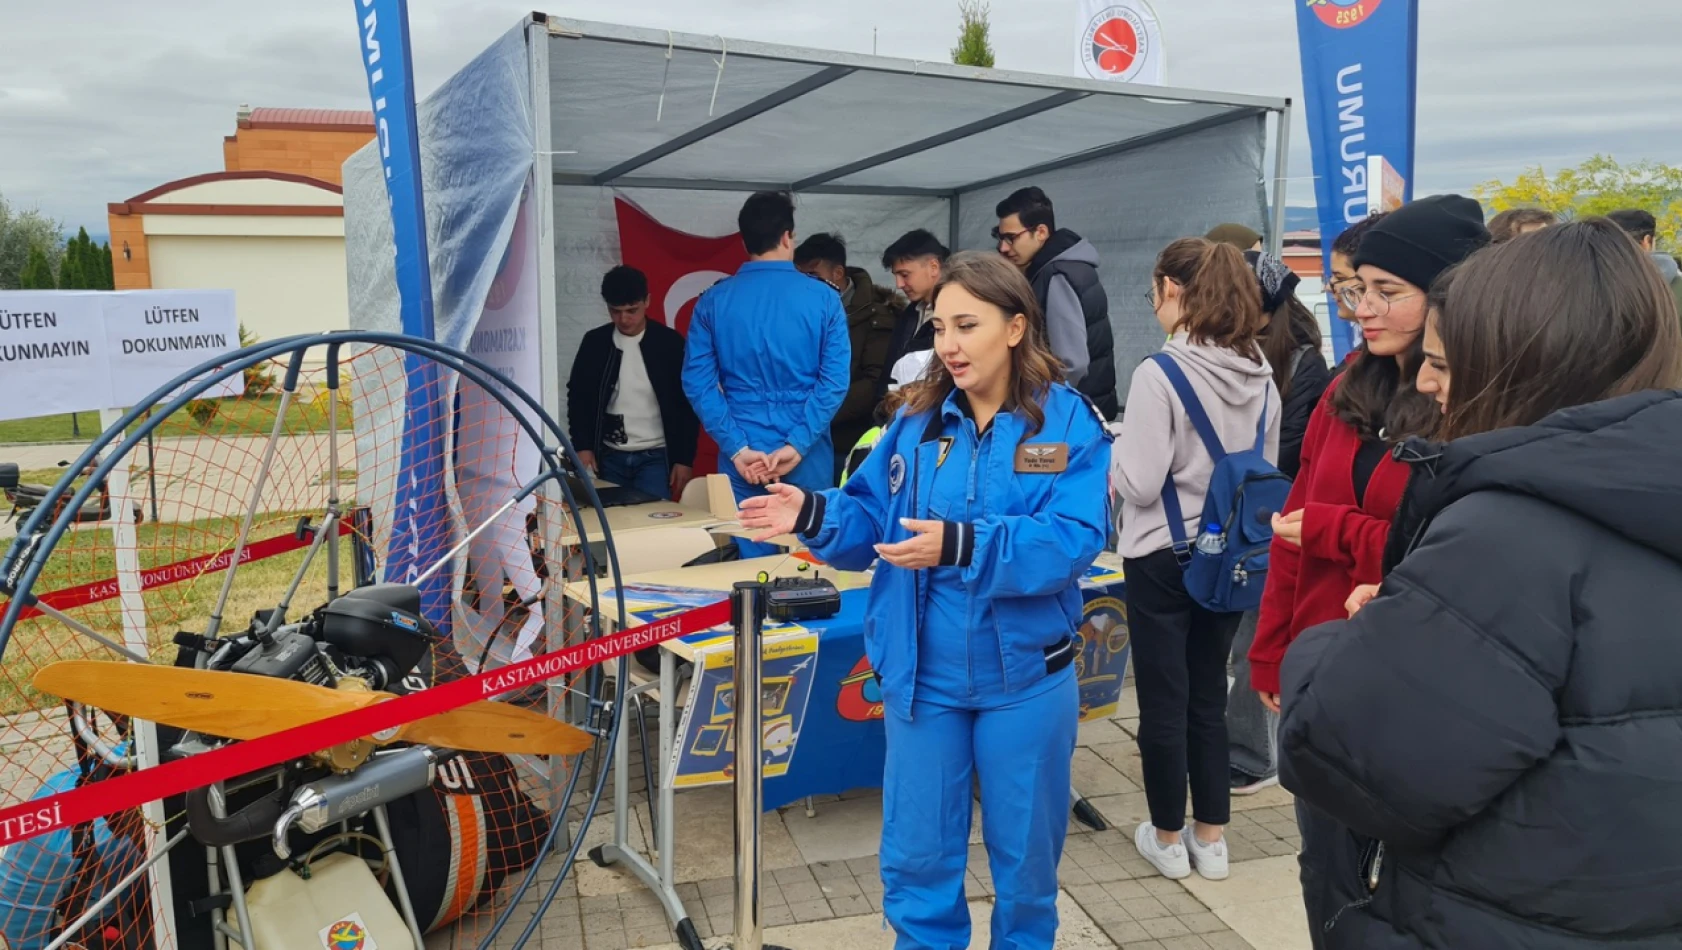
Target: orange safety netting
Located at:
point(463, 844)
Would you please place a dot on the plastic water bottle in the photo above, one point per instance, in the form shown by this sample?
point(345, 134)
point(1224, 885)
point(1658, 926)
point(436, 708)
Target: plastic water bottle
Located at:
point(1212, 541)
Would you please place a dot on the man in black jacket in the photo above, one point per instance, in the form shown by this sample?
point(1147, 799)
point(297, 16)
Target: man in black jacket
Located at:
point(629, 419)
point(1063, 267)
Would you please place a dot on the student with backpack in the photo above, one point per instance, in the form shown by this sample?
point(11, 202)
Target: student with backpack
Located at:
point(1197, 477)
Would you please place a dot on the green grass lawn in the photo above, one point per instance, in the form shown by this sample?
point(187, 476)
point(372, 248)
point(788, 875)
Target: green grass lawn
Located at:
point(243, 416)
point(86, 555)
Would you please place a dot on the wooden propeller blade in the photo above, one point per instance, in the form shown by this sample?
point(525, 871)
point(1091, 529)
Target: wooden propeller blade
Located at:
point(243, 706)
point(231, 705)
point(498, 727)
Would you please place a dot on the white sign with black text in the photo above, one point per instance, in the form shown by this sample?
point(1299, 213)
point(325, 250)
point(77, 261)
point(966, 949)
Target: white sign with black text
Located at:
point(156, 335)
point(84, 351)
point(52, 354)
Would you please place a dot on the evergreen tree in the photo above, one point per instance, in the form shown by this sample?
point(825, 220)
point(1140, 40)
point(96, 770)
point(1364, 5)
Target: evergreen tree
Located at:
point(70, 266)
point(107, 279)
point(37, 273)
point(974, 47)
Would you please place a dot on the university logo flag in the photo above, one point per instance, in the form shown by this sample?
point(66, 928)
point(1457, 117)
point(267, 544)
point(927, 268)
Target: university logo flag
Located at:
point(1119, 40)
point(420, 533)
point(1358, 69)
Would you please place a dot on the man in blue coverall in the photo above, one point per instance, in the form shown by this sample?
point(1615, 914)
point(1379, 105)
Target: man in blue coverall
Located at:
point(769, 362)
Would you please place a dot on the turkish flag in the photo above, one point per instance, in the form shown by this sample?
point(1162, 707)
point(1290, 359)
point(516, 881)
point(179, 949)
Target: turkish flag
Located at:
point(680, 267)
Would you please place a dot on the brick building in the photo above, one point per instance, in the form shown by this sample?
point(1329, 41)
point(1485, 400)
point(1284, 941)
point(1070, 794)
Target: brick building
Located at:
point(269, 225)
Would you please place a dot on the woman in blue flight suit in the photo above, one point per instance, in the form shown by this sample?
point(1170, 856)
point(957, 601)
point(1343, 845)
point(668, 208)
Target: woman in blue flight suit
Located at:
point(986, 500)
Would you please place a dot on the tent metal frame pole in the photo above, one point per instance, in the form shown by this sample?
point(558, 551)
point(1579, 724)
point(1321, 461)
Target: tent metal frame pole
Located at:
point(1107, 151)
point(720, 184)
point(729, 120)
point(1281, 165)
point(954, 218)
point(945, 138)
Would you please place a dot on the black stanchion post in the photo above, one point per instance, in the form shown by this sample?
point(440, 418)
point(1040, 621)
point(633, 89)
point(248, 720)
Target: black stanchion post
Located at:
point(152, 474)
point(747, 615)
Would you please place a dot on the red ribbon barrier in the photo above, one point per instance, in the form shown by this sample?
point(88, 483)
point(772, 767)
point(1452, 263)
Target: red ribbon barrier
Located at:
point(152, 578)
point(45, 815)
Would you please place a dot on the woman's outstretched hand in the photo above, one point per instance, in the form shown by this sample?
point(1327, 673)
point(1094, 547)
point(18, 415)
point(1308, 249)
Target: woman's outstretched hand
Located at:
point(774, 513)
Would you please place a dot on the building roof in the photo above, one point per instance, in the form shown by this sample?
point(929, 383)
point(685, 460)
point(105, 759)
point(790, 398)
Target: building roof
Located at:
point(147, 203)
point(333, 120)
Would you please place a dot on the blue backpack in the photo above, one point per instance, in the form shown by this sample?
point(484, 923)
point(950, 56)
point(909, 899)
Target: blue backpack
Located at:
point(1226, 567)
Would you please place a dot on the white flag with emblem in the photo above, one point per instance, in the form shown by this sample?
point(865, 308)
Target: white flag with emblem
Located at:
point(1120, 40)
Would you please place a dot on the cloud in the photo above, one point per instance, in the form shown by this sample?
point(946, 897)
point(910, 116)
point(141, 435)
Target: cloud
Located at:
point(98, 110)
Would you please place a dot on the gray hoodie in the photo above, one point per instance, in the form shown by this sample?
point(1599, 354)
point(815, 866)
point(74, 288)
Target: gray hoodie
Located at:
point(1157, 437)
point(1065, 319)
point(1667, 266)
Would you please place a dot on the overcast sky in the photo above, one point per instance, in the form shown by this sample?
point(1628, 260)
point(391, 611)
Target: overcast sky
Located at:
point(97, 106)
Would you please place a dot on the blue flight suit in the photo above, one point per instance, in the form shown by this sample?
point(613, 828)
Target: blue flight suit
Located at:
point(768, 364)
point(975, 656)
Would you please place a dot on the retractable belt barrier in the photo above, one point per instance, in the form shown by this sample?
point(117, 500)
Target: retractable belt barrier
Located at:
point(45, 815)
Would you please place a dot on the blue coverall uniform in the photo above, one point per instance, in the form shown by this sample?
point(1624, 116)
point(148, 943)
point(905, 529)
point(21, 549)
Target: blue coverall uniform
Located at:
point(975, 656)
point(768, 364)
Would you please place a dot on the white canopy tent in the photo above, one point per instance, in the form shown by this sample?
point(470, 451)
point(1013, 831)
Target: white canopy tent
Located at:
point(684, 126)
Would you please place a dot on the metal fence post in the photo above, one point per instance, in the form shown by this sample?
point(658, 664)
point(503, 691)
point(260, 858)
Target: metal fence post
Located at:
point(747, 614)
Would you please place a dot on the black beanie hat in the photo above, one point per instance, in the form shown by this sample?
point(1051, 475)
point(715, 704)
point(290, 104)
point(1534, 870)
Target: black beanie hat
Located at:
point(1421, 239)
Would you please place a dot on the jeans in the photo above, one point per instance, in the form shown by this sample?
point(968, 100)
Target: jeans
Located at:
point(1179, 668)
point(1252, 729)
point(645, 471)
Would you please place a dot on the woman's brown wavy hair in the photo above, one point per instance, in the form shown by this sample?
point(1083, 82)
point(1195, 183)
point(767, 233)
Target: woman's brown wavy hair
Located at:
point(1220, 301)
point(1033, 367)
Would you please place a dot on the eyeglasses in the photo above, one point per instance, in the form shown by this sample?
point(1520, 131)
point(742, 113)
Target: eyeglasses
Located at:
point(1352, 297)
point(1150, 297)
point(1008, 237)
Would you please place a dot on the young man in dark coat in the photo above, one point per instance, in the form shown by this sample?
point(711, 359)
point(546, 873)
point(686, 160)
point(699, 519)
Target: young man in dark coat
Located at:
point(917, 261)
point(626, 411)
point(1062, 266)
point(871, 315)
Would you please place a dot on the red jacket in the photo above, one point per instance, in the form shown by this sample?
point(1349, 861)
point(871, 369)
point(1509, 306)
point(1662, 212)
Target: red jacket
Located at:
point(1342, 542)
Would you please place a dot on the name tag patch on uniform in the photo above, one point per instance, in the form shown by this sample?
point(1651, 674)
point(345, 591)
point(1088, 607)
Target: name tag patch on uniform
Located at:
point(896, 473)
point(1042, 458)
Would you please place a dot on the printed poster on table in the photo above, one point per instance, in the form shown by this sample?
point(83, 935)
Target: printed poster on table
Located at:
point(705, 752)
point(1103, 643)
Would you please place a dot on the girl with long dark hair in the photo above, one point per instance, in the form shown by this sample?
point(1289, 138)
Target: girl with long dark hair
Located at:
point(1290, 340)
point(1330, 539)
point(1501, 719)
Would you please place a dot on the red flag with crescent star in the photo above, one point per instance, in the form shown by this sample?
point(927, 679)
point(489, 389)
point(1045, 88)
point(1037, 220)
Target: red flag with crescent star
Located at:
point(679, 267)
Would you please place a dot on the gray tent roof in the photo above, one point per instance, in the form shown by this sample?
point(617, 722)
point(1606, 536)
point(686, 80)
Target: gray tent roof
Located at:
point(646, 108)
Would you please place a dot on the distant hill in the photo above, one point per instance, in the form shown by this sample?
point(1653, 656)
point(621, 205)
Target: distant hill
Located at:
point(1298, 218)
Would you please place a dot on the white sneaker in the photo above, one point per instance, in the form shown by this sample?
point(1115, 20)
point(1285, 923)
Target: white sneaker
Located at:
point(1170, 859)
point(1209, 859)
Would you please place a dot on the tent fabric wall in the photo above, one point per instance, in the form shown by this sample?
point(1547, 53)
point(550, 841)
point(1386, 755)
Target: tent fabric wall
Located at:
point(476, 134)
point(587, 238)
point(1131, 205)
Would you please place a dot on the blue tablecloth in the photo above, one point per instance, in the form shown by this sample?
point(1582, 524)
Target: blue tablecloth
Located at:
point(822, 709)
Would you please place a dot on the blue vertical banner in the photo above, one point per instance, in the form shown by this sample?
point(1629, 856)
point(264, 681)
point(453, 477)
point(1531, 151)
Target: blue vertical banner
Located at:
point(1358, 69)
point(420, 535)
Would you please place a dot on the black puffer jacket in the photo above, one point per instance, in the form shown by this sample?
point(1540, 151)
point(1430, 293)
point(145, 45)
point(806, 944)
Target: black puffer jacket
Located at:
point(1507, 716)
